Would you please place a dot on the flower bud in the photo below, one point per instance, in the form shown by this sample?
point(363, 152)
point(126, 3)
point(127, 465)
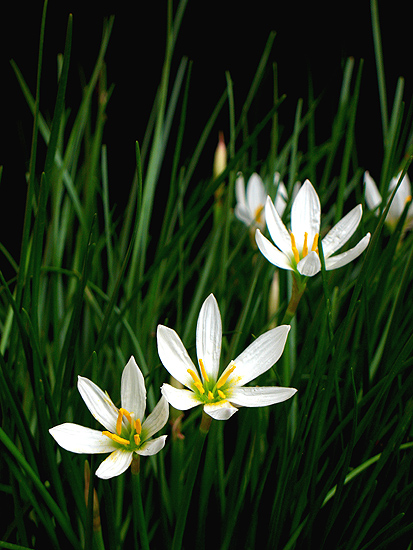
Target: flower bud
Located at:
point(220, 157)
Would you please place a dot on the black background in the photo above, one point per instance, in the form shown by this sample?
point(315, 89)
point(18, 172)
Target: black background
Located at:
point(312, 37)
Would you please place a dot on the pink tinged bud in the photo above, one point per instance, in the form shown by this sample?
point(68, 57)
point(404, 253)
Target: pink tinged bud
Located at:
point(220, 157)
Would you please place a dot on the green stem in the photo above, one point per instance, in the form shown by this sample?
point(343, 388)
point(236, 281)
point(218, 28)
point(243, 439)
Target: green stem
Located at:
point(192, 473)
point(137, 507)
point(298, 288)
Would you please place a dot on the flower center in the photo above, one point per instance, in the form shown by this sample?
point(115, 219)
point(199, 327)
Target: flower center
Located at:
point(210, 392)
point(258, 215)
point(134, 430)
point(304, 251)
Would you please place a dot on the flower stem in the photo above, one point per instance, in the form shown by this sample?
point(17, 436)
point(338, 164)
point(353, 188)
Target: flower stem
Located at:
point(137, 507)
point(298, 288)
point(189, 485)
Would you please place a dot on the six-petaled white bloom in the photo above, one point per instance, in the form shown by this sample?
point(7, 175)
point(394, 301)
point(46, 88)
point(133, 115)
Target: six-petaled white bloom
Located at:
point(251, 201)
point(402, 196)
point(297, 250)
point(220, 396)
point(125, 432)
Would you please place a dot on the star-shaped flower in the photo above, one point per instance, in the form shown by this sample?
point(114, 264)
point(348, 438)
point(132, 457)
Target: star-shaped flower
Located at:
point(251, 201)
point(297, 250)
point(220, 395)
point(402, 196)
point(124, 433)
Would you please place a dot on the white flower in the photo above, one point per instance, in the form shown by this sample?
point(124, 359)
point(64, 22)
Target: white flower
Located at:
point(124, 433)
point(297, 250)
point(220, 396)
point(250, 203)
point(402, 196)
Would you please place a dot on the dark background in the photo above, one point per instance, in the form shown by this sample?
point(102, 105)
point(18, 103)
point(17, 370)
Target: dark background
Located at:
point(312, 37)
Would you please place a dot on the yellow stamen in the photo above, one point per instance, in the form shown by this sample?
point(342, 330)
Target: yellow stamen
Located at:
point(202, 367)
point(305, 245)
point(221, 394)
point(127, 414)
point(294, 248)
point(258, 214)
point(210, 395)
point(138, 426)
point(314, 248)
point(197, 381)
point(119, 420)
point(137, 439)
point(225, 377)
point(116, 438)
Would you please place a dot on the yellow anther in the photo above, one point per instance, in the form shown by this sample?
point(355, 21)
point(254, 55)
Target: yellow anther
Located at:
point(197, 381)
point(138, 426)
point(210, 395)
point(258, 213)
point(314, 248)
point(221, 394)
point(137, 439)
point(305, 245)
point(116, 438)
point(407, 199)
point(225, 376)
point(122, 412)
point(203, 371)
point(294, 248)
point(127, 414)
point(194, 375)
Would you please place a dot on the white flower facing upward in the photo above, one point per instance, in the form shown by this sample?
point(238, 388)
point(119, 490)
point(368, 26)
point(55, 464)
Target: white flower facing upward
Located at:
point(402, 196)
point(297, 250)
point(220, 396)
point(251, 201)
point(125, 433)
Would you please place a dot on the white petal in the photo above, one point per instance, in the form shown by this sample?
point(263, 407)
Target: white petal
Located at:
point(157, 419)
point(209, 336)
point(342, 259)
point(305, 215)
point(98, 403)
point(310, 265)
point(371, 193)
point(342, 231)
point(271, 252)
point(221, 410)
point(399, 201)
point(260, 396)
point(180, 399)
point(277, 229)
point(174, 356)
point(281, 198)
point(240, 191)
point(133, 391)
point(243, 214)
point(258, 357)
point(79, 439)
point(152, 447)
point(256, 194)
point(241, 209)
point(115, 464)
